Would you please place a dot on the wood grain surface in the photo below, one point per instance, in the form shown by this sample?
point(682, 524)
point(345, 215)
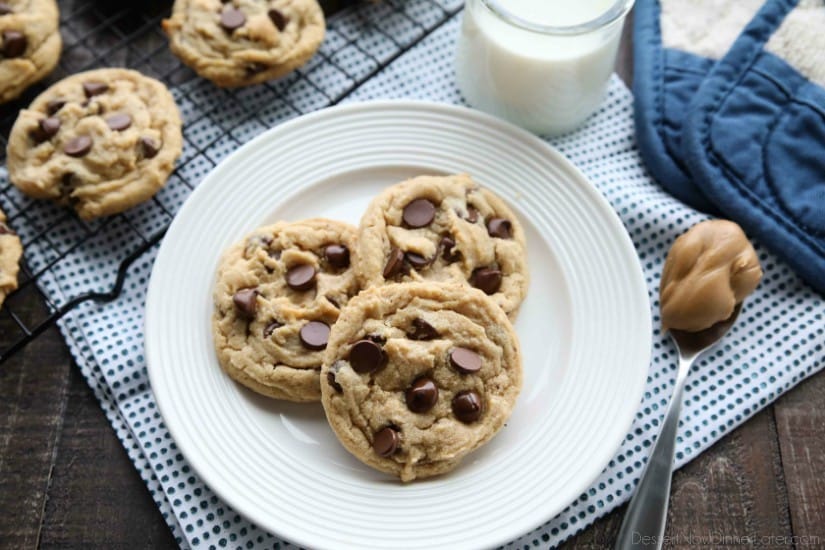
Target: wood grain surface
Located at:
point(66, 481)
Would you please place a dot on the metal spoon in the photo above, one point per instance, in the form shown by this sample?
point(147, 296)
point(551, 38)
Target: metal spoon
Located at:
point(644, 521)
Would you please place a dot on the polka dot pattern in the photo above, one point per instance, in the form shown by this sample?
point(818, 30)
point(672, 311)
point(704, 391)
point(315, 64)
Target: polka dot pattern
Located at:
point(777, 342)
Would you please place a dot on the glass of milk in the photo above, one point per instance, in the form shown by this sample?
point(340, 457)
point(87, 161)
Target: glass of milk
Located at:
point(542, 64)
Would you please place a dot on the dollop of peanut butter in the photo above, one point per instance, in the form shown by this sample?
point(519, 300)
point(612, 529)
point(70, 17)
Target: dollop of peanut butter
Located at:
point(709, 270)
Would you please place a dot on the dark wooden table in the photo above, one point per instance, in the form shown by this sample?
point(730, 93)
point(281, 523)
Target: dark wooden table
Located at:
point(66, 481)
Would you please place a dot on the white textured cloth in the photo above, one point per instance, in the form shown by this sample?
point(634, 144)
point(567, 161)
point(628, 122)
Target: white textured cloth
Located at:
point(777, 342)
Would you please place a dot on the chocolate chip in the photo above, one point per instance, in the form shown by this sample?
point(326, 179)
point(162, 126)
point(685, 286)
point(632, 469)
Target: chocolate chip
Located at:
point(149, 147)
point(472, 214)
point(49, 127)
point(467, 406)
point(278, 19)
point(487, 279)
point(5, 230)
point(422, 330)
point(331, 378)
point(422, 395)
point(314, 335)
point(395, 263)
point(367, 356)
point(232, 19)
point(255, 68)
point(78, 147)
point(119, 122)
point(385, 442)
point(416, 260)
point(14, 43)
point(419, 213)
point(246, 302)
point(337, 255)
point(5, 9)
point(447, 252)
point(465, 361)
point(300, 277)
point(270, 328)
point(92, 89)
point(55, 105)
point(500, 228)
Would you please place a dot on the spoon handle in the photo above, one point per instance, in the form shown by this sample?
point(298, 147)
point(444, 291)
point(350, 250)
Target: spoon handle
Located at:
point(644, 522)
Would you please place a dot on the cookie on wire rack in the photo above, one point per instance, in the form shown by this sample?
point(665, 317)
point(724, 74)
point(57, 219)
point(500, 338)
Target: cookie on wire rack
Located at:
point(244, 42)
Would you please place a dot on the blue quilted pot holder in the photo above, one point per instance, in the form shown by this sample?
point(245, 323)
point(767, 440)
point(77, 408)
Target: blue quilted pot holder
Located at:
point(754, 139)
point(675, 46)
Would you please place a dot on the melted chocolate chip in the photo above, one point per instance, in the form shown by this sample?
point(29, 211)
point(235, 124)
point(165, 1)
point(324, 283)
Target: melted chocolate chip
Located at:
point(337, 255)
point(472, 214)
point(486, 279)
point(246, 302)
point(419, 213)
point(14, 43)
point(314, 335)
point(385, 442)
point(467, 406)
point(447, 252)
point(119, 122)
point(500, 228)
point(465, 361)
point(367, 356)
point(395, 263)
point(78, 147)
point(149, 147)
point(416, 260)
point(331, 378)
point(5, 9)
point(270, 328)
point(49, 127)
point(422, 330)
point(55, 105)
point(92, 89)
point(278, 18)
point(232, 19)
point(422, 395)
point(300, 277)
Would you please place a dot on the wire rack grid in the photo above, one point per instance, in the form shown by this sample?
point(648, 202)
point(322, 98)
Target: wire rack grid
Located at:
point(361, 40)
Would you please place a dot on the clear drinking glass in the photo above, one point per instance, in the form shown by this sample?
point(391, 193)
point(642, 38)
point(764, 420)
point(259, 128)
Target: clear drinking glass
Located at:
point(542, 64)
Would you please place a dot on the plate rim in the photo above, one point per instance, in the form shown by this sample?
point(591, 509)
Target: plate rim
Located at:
point(639, 288)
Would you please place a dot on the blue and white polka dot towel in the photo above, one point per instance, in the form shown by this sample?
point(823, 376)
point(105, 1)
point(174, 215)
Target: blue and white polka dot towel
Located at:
point(778, 341)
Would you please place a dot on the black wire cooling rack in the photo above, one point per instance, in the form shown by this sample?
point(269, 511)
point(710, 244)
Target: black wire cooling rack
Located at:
point(128, 34)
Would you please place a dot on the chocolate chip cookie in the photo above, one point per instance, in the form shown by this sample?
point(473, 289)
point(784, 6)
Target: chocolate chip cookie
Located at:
point(417, 375)
point(100, 142)
point(444, 229)
point(29, 44)
point(243, 42)
point(10, 252)
point(278, 293)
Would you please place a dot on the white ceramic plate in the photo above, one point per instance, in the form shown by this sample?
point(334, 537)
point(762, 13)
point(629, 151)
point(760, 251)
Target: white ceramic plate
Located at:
point(584, 328)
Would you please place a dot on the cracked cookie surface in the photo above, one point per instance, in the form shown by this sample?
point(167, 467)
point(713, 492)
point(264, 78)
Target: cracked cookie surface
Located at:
point(417, 375)
point(29, 44)
point(278, 292)
point(100, 141)
point(444, 229)
point(243, 42)
point(10, 252)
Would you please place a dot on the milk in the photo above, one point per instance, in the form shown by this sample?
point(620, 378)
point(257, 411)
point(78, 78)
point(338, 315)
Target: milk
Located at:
point(543, 80)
